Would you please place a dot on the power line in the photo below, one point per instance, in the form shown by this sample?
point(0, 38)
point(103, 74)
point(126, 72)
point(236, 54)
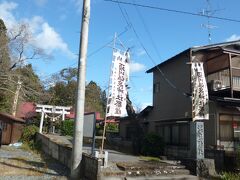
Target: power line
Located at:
point(150, 57)
point(174, 11)
point(148, 32)
point(92, 53)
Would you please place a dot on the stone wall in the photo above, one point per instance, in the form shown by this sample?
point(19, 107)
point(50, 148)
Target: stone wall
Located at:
point(218, 156)
point(90, 166)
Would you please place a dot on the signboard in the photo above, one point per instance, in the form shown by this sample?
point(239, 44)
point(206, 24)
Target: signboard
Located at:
point(89, 125)
point(116, 103)
point(200, 106)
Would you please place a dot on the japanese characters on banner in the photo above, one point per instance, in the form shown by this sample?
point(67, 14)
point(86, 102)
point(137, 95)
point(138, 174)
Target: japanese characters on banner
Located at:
point(200, 105)
point(116, 103)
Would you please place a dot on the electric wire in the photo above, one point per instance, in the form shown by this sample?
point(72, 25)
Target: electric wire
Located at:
point(148, 32)
point(175, 11)
point(150, 57)
point(91, 54)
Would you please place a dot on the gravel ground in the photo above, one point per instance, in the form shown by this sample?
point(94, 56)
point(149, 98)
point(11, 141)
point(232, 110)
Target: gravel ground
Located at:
point(20, 164)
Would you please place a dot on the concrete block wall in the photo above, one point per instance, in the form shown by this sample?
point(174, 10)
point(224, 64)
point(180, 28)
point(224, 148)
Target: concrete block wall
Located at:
point(90, 166)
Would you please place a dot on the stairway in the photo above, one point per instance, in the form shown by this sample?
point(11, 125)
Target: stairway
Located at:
point(146, 170)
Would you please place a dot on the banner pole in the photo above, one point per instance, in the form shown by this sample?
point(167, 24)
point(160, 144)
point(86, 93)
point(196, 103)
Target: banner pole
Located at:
point(105, 118)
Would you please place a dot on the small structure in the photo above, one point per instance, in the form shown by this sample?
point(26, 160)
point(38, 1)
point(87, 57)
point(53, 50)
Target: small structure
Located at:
point(26, 110)
point(12, 128)
point(44, 109)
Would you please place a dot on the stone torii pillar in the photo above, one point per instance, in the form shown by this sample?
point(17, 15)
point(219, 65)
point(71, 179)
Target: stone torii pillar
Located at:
point(52, 110)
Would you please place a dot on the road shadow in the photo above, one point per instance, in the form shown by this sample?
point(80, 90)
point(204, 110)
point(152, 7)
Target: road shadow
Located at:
point(42, 167)
point(55, 165)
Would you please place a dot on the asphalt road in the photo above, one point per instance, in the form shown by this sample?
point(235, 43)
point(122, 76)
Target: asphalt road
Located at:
point(20, 164)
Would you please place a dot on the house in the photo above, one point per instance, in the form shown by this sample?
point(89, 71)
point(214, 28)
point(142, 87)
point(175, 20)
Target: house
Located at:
point(12, 128)
point(127, 125)
point(171, 115)
point(26, 110)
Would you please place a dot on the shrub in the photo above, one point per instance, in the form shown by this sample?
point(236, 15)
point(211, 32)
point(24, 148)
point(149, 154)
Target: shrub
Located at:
point(112, 127)
point(153, 145)
point(67, 128)
point(230, 176)
point(28, 136)
point(29, 133)
point(99, 130)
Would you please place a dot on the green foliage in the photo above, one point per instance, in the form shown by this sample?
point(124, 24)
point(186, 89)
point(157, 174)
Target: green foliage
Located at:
point(6, 94)
point(238, 157)
point(230, 176)
point(153, 145)
point(99, 130)
point(112, 127)
point(69, 74)
point(28, 136)
point(63, 93)
point(67, 128)
point(34, 89)
point(94, 99)
point(9, 73)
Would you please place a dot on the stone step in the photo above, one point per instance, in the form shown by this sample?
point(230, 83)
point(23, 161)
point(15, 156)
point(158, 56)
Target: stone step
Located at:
point(170, 177)
point(135, 173)
point(147, 166)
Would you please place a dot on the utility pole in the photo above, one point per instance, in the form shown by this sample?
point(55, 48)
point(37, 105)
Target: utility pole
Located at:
point(79, 116)
point(15, 102)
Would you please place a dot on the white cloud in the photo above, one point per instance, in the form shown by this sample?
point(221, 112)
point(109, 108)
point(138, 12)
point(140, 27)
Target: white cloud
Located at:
point(50, 40)
point(44, 36)
point(136, 67)
point(6, 9)
point(234, 37)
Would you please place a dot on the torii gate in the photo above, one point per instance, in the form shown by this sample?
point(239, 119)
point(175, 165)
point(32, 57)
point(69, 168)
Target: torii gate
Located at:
point(62, 110)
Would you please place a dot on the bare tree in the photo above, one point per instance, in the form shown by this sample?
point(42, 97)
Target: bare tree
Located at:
point(22, 46)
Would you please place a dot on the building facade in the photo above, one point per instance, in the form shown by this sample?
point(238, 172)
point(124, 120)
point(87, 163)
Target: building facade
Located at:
point(171, 115)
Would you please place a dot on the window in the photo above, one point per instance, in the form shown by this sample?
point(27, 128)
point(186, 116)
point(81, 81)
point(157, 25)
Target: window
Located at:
point(174, 134)
point(156, 87)
point(226, 130)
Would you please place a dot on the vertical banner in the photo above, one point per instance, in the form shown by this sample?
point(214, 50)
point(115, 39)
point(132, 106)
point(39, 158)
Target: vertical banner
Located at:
point(200, 106)
point(116, 103)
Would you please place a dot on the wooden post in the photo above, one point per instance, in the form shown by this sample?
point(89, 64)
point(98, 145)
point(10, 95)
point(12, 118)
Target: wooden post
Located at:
point(230, 74)
point(15, 102)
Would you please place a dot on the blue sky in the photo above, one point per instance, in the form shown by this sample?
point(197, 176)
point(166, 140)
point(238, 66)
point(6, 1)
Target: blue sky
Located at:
point(56, 28)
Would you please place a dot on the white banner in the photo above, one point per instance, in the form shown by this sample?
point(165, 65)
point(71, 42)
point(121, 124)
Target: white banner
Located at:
point(116, 103)
point(200, 106)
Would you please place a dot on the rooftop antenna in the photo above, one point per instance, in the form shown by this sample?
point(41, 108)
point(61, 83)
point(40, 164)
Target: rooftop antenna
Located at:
point(208, 12)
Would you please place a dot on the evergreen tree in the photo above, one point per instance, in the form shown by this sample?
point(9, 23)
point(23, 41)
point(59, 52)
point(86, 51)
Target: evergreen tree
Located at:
point(32, 89)
point(93, 101)
point(63, 93)
point(6, 90)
